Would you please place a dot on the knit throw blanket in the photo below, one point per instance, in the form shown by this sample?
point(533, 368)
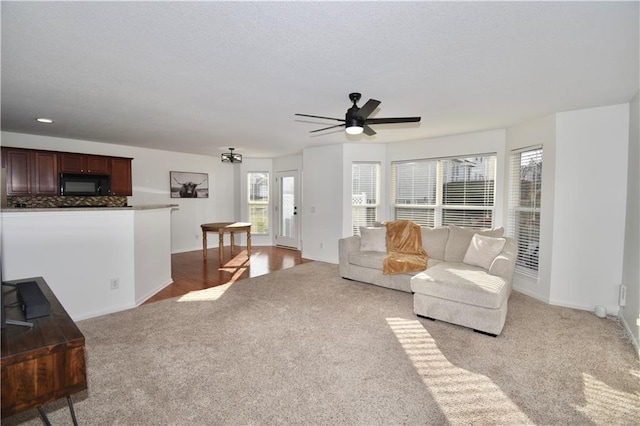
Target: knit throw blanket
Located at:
point(404, 248)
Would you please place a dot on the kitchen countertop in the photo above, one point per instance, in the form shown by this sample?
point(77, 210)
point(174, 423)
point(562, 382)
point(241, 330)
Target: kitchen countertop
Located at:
point(86, 208)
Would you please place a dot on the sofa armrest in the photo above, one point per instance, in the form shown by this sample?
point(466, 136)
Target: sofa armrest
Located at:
point(348, 245)
point(345, 246)
point(505, 263)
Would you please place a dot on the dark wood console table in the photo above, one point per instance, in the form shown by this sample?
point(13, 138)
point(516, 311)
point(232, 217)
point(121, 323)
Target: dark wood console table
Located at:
point(43, 363)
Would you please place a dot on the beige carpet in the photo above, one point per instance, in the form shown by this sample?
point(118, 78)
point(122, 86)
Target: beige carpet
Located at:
point(303, 346)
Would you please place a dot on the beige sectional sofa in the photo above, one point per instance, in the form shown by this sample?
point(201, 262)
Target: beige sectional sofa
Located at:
point(467, 281)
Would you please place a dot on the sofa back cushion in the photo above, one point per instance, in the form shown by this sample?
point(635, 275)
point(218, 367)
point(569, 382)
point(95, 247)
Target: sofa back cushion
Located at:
point(460, 238)
point(434, 240)
point(483, 250)
point(373, 239)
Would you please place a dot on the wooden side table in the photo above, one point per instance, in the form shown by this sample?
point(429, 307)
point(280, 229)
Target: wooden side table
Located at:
point(43, 363)
point(221, 228)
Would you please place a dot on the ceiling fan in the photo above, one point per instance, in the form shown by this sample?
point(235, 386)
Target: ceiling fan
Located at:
point(357, 120)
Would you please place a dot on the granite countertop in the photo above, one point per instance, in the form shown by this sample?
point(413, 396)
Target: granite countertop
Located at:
point(87, 208)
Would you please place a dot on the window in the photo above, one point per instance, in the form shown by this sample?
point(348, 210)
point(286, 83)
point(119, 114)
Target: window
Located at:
point(365, 181)
point(525, 191)
point(450, 191)
point(259, 202)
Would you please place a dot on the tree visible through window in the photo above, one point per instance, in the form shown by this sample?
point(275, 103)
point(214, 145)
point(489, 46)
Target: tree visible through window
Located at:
point(525, 194)
point(365, 181)
point(450, 191)
point(259, 202)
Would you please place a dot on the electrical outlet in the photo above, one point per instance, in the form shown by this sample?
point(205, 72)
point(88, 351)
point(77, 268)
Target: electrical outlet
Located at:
point(622, 295)
point(115, 283)
point(197, 236)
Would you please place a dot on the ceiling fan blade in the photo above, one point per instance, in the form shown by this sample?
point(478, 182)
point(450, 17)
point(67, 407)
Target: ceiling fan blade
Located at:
point(367, 108)
point(393, 120)
point(319, 116)
point(327, 128)
point(368, 130)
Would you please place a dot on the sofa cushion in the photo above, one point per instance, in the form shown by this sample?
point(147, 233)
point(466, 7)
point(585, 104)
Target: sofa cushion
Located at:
point(460, 238)
point(482, 250)
point(434, 240)
point(367, 259)
point(462, 283)
point(373, 239)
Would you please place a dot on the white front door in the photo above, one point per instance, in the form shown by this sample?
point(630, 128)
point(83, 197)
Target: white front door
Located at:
point(288, 234)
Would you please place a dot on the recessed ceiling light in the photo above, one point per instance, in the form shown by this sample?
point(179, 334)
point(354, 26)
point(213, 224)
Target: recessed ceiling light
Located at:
point(44, 120)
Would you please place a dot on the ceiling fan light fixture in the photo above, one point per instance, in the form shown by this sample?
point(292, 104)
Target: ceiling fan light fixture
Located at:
point(354, 130)
point(231, 157)
point(353, 126)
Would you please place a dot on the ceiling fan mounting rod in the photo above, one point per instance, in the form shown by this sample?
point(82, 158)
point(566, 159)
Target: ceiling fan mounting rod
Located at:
point(355, 97)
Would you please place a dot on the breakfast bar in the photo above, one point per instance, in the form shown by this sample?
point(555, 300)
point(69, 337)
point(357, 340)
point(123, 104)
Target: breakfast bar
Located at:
point(96, 260)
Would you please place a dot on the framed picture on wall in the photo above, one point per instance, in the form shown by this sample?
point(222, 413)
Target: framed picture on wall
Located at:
point(189, 185)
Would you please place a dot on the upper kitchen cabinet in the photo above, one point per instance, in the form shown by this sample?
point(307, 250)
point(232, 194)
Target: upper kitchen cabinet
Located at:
point(30, 172)
point(121, 183)
point(84, 163)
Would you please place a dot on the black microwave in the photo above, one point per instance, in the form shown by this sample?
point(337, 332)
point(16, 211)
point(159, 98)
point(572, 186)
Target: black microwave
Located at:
point(84, 185)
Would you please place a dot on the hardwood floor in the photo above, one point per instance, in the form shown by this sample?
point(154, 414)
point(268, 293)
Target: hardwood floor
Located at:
point(190, 271)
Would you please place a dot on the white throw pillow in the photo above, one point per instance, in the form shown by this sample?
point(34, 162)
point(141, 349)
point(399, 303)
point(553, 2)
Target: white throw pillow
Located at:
point(483, 250)
point(373, 239)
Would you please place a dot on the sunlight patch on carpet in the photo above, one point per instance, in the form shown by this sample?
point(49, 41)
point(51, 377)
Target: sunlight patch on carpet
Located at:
point(602, 401)
point(463, 396)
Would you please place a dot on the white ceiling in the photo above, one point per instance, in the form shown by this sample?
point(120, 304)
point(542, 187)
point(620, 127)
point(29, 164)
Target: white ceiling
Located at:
point(200, 77)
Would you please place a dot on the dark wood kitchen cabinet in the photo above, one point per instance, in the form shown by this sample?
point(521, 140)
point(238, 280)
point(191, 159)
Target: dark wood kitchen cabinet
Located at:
point(30, 172)
point(36, 172)
point(85, 163)
point(121, 183)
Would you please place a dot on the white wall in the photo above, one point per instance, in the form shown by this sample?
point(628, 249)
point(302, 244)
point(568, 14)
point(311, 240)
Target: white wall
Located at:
point(589, 207)
point(322, 202)
point(631, 264)
point(541, 131)
point(152, 251)
point(150, 175)
point(75, 257)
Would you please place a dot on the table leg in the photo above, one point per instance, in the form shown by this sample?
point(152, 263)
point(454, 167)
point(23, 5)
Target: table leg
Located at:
point(249, 244)
point(232, 243)
point(204, 244)
point(221, 244)
point(72, 411)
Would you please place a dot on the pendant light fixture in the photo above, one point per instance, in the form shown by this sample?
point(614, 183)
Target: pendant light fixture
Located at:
point(231, 157)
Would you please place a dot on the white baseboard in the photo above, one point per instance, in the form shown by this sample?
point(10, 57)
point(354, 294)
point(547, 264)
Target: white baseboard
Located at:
point(630, 335)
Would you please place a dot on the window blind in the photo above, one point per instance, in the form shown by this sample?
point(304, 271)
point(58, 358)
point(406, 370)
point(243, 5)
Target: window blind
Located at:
point(467, 191)
point(365, 182)
point(525, 194)
point(415, 191)
point(450, 191)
